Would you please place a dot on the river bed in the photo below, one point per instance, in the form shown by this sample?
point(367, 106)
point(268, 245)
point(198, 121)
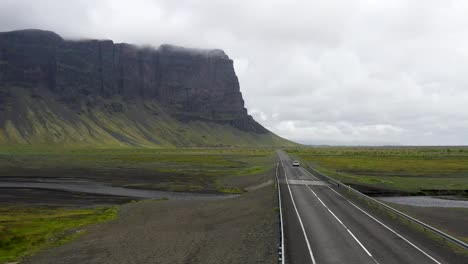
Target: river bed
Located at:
point(426, 201)
point(91, 187)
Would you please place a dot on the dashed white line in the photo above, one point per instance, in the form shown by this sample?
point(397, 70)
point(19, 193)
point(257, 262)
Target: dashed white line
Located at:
point(347, 229)
point(368, 253)
point(390, 229)
point(357, 207)
point(299, 217)
point(335, 216)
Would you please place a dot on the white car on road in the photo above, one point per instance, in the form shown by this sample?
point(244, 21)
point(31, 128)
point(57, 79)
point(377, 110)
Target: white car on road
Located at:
point(296, 163)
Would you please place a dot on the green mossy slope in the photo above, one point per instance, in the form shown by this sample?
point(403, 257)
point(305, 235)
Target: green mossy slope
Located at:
point(31, 119)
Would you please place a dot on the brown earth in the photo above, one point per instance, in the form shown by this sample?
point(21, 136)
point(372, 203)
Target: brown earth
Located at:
point(237, 230)
point(250, 182)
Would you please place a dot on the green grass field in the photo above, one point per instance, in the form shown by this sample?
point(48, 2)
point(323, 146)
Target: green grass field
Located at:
point(26, 230)
point(165, 169)
point(407, 169)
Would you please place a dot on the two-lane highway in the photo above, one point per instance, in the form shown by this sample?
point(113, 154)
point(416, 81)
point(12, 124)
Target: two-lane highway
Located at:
point(322, 226)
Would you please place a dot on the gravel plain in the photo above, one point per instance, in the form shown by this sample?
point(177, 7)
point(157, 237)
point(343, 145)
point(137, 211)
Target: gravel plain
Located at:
point(237, 230)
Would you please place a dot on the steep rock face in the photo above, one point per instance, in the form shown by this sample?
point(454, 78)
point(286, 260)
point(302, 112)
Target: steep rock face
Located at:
point(192, 84)
point(27, 58)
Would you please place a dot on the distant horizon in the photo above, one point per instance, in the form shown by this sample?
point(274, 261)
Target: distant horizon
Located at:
point(441, 146)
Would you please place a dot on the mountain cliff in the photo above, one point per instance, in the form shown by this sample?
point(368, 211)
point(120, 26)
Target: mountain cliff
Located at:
point(56, 91)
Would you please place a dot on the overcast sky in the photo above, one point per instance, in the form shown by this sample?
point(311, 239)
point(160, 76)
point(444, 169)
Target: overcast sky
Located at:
point(348, 72)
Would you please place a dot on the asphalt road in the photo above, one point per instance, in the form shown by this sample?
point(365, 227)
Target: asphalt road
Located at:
point(322, 226)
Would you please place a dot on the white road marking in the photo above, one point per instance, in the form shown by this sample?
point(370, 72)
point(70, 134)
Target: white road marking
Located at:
point(347, 229)
point(390, 229)
point(283, 257)
point(299, 217)
point(306, 182)
point(357, 207)
point(361, 244)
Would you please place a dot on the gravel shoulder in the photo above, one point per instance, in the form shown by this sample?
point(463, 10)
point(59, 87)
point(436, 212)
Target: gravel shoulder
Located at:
point(238, 230)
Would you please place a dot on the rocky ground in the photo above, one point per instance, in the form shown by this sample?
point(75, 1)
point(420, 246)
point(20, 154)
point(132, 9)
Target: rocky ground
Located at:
point(237, 230)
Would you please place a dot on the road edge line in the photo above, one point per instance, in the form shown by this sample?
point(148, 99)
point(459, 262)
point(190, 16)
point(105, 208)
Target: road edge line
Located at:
point(280, 204)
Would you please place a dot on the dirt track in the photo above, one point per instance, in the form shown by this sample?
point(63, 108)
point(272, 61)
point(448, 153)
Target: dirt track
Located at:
point(237, 230)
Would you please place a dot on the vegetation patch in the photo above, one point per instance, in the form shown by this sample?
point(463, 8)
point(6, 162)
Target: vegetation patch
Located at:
point(26, 230)
point(415, 170)
point(143, 168)
point(229, 190)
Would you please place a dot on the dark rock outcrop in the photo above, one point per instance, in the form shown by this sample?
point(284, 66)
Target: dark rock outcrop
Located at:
point(190, 83)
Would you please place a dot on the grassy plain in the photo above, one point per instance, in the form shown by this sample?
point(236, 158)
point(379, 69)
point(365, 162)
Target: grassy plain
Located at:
point(415, 170)
point(26, 230)
point(164, 169)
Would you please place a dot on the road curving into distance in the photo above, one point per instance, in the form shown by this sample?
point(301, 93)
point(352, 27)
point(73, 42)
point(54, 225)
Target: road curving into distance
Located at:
point(322, 226)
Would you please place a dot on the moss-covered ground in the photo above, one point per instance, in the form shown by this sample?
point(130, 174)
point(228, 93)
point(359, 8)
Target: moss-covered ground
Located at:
point(26, 230)
point(27, 119)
